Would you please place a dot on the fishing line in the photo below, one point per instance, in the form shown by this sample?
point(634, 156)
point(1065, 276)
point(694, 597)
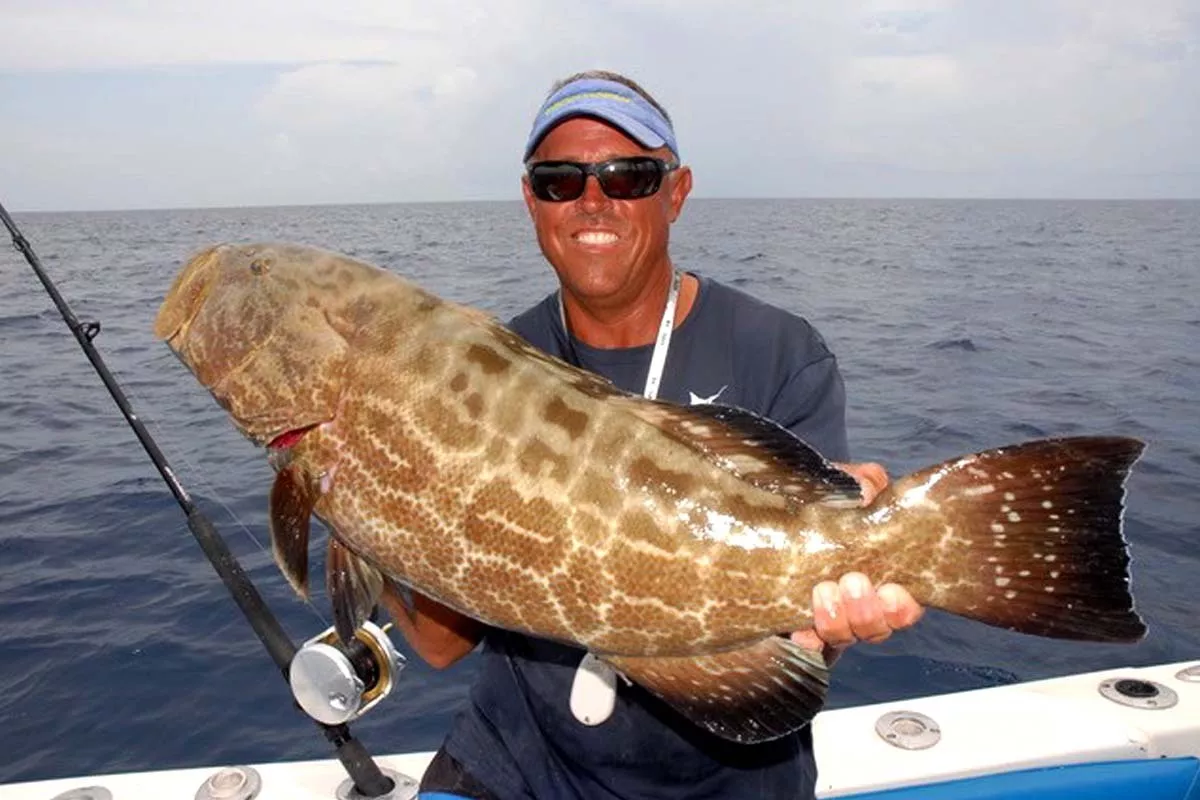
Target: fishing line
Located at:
point(363, 771)
point(196, 477)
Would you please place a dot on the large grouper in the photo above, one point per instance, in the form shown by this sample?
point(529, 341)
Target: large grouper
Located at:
point(447, 456)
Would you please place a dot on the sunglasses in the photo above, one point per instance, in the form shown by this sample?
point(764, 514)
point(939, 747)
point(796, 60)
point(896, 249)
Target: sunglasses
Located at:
point(626, 178)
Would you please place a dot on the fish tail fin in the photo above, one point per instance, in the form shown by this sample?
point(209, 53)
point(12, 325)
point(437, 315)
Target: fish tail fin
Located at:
point(1028, 538)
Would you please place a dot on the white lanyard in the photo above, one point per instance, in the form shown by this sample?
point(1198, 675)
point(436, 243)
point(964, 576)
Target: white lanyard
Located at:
point(661, 345)
point(594, 689)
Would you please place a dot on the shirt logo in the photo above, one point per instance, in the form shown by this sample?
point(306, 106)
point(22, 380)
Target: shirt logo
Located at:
point(702, 401)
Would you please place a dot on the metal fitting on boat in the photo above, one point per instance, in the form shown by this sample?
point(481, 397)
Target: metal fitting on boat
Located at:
point(85, 793)
point(403, 788)
point(334, 684)
point(231, 783)
point(908, 730)
point(1189, 674)
point(1137, 693)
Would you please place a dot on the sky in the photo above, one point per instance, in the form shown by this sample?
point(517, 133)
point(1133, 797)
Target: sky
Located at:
point(115, 104)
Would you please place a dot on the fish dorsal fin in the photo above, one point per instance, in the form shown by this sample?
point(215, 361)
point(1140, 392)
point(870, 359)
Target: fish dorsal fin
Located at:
point(756, 449)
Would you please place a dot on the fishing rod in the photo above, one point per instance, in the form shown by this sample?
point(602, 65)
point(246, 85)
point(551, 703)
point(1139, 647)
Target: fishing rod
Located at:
point(368, 779)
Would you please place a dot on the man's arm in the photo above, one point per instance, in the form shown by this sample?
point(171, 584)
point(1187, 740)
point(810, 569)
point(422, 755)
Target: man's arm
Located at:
point(441, 636)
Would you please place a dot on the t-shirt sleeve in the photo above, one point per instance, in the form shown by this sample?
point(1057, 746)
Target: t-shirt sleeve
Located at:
point(811, 403)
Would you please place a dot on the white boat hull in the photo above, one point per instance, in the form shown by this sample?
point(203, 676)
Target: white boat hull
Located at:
point(983, 732)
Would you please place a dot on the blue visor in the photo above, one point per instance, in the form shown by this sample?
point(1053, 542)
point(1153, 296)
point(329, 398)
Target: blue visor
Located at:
point(610, 101)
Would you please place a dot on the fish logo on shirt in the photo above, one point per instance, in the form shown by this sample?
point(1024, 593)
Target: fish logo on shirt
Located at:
point(696, 400)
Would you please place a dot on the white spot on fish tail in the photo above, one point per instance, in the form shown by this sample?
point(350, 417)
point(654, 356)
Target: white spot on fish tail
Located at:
point(1054, 516)
point(1024, 573)
point(997, 527)
point(1010, 594)
point(1008, 475)
point(992, 559)
point(1050, 589)
point(1053, 529)
point(1002, 582)
point(1051, 558)
point(979, 473)
point(1009, 496)
point(1047, 504)
point(918, 495)
point(999, 569)
point(1047, 488)
point(1038, 556)
point(880, 516)
point(1014, 517)
point(1054, 574)
point(976, 491)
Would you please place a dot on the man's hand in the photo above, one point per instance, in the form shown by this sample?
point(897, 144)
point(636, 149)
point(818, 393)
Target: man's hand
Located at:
point(852, 609)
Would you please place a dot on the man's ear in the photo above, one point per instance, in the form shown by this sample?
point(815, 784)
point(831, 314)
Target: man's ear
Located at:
point(527, 193)
point(680, 187)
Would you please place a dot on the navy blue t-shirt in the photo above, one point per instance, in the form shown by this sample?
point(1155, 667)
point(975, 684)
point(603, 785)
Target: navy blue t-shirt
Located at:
point(517, 735)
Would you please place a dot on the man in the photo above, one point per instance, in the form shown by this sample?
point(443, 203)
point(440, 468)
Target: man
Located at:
point(603, 185)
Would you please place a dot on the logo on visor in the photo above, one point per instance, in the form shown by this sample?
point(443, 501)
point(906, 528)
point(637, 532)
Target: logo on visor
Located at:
point(575, 98)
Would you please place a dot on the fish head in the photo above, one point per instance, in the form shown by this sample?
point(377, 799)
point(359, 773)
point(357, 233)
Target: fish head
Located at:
point(257, 324)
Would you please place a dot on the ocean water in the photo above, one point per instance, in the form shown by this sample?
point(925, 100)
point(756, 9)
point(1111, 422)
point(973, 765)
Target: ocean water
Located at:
point(958, 325)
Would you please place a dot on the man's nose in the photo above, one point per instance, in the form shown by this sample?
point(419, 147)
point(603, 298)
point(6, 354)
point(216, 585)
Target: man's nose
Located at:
point(593, 197)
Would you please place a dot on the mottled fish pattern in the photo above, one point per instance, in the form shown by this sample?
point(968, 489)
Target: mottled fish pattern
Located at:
point(445, 454)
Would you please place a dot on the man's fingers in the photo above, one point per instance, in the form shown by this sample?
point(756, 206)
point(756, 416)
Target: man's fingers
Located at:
point(864, 610)
point(872, 478)
point(900, 610)
point(829, 617)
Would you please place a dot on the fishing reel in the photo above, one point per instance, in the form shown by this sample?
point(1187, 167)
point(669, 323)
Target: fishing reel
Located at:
point(336, 684)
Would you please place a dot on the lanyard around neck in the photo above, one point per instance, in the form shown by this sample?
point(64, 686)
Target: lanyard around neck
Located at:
point(663, 343)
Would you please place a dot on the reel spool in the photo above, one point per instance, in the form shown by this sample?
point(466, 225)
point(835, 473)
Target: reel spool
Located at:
point(336, 684)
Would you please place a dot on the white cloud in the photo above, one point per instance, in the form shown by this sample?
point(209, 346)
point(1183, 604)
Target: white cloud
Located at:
point(406, 100)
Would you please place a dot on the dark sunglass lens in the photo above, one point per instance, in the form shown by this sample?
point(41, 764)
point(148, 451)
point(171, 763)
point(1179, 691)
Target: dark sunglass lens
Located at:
point(631, 178)
point(557, 182)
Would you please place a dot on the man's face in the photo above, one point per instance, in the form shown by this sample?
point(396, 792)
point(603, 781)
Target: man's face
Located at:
point(604, 250)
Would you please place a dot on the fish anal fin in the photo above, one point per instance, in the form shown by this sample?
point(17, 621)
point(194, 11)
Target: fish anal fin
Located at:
point(758, 693)
point(755, 448)
point(290, 508)
point(354, 587)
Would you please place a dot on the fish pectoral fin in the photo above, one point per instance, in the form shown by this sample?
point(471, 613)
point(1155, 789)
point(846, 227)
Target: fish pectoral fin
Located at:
point(757, 449)
point(354, 587)
point(289, 511)
point(754, 694)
